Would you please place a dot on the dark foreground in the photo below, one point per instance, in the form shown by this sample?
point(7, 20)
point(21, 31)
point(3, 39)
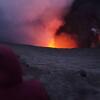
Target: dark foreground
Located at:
point(66, 74)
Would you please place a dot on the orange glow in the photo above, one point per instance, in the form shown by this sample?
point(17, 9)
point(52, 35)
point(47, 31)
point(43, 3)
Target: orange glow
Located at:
point(63, 41)
point(52, 44)
point(58, 41)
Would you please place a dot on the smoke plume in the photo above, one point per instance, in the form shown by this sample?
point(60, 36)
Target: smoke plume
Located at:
point(27, 21)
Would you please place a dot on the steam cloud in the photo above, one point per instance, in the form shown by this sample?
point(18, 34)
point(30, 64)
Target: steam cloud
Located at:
point(24, 21)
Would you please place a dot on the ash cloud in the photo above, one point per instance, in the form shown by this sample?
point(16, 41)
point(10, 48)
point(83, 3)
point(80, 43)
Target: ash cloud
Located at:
point(81, 21)
point(24, 21)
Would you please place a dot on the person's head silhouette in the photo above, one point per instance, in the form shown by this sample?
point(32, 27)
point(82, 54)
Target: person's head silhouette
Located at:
point(12, 86)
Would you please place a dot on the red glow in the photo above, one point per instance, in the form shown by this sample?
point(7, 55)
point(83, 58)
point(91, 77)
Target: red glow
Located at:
point(63, 41)
point(59, 41)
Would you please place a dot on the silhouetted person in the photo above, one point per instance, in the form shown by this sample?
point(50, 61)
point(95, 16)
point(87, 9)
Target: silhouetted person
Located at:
point(12, 86)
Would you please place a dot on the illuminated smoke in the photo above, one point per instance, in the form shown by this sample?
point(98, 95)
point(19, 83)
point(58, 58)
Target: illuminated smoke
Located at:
point(31, 21)
point(35, 22)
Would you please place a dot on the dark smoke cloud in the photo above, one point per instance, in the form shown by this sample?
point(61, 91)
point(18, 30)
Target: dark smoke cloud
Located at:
point(83, 21)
